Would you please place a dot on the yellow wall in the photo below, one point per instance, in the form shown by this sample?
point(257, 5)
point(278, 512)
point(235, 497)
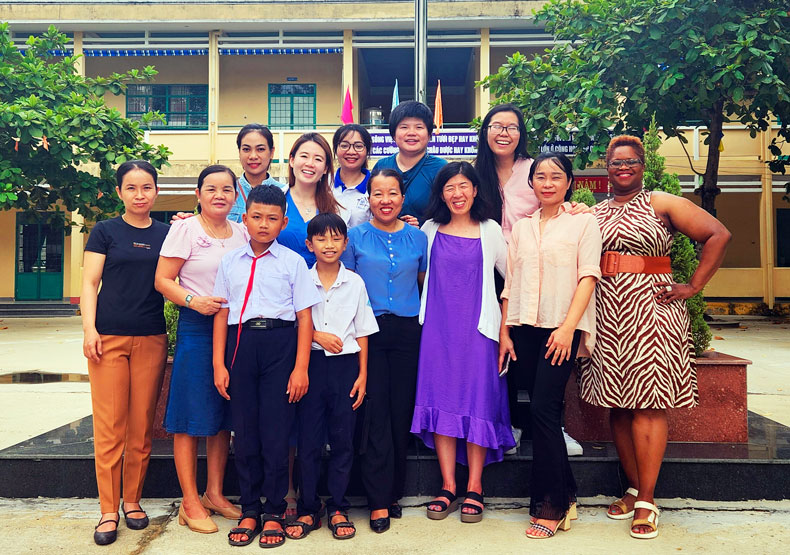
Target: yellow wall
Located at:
point(244, 81)
point(183, 70)
point(8, 230)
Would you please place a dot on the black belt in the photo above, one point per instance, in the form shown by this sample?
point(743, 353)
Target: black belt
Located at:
point(267, 323)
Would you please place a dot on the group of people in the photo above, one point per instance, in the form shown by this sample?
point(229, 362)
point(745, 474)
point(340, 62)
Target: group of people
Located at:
point(360, 308)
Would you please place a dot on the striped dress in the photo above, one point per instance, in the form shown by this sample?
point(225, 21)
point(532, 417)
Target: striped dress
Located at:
point(644, 355)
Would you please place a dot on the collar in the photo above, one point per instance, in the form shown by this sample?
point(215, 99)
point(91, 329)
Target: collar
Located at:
point(342, 276)
point(362, 187)
point(275, 249)
point(247, 186)
point(564, 207)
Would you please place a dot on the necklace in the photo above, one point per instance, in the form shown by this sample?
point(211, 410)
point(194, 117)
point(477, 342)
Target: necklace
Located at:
point(212, 232)
point(126, 219)
point(304, 208)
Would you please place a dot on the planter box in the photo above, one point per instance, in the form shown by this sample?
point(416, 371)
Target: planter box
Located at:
point(721, 416)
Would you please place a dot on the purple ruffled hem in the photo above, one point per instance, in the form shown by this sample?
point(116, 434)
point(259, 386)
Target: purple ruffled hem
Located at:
point(496, 437)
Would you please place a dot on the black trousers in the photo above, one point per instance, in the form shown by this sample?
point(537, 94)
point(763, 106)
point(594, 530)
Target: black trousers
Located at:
point(261, 414)
point(393, 354)
point(327, 408)
point(552, 486)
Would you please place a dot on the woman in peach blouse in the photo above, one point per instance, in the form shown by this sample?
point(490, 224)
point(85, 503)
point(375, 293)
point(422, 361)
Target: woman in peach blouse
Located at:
point(552, 268)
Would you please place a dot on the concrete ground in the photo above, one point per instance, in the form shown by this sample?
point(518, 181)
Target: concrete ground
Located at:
point(66, 525)
point(46, 525)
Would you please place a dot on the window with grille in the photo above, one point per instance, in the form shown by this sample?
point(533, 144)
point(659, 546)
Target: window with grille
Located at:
point(292, 106)
point(184, 106)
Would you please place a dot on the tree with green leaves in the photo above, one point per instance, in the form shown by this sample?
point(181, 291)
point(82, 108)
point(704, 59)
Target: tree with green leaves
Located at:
point(689, 62)
point(59, 141)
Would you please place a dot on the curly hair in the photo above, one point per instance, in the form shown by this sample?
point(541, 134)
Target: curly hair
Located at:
point(626, 140)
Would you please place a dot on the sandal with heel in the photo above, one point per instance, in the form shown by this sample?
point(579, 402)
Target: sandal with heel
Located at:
point(477, 515)
point(447, 508)
point(564, 525)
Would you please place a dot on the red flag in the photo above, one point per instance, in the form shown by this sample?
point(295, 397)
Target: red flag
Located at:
point(347, 114)
point(438, 116)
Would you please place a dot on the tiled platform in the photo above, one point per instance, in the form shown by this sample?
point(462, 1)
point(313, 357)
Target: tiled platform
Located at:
point(60, 464)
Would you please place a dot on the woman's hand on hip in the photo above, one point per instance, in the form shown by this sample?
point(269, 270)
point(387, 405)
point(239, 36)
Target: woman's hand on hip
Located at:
point(91, 345)
point(207, 306)
point(669, 292)
point(559, 345)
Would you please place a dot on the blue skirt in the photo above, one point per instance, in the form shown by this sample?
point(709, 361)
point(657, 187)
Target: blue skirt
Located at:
point(194, 406)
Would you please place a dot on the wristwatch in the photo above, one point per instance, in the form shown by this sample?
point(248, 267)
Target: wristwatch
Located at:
point(188, 299)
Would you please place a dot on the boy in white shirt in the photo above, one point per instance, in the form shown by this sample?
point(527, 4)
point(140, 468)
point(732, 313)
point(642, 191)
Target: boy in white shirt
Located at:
point(337, 376)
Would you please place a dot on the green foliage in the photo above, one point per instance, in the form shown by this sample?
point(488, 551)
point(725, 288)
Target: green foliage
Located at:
point(171, 325)
point(683, 255)
point(59, 141)
point(621, 61)
point(583, 195)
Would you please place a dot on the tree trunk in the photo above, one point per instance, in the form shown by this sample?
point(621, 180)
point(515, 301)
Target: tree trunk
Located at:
point(710, 178)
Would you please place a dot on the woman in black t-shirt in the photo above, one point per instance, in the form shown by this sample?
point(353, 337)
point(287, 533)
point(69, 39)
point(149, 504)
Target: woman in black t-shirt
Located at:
point(125, 344)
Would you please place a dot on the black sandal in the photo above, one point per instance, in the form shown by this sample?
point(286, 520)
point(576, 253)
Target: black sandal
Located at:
point(305, 527)
point(343, 524)
point(446, 508)
point(106, 538)
point(477, 515)
point(135, 523)
point(279, 519)
point(250, 532)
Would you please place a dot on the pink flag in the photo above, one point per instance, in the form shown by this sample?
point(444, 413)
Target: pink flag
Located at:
point(347, 115)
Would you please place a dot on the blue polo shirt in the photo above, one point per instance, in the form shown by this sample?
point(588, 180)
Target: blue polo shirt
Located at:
point(389, 264)
point(418, 181)
point(242, 192)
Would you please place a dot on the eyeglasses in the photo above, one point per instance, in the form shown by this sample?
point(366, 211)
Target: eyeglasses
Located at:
point(510, 129)
point(631, 163)
point(358, 147)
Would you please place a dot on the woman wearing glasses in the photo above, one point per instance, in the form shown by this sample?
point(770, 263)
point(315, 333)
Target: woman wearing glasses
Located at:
point(503, 165)
point(351, 145)
point(643, 362)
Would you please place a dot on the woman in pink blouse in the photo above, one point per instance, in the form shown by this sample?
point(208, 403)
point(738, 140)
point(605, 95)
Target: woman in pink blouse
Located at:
point(552, 268)
point(192, 252)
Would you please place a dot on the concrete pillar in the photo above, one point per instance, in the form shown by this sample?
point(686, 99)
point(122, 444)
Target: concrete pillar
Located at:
point(767, 245)
point(349, 72)
point(213, 94)
point(484, 69)
point(76, 240)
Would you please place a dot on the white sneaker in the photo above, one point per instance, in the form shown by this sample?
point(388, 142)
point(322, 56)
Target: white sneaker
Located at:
point(517, 437)
point(574, 447)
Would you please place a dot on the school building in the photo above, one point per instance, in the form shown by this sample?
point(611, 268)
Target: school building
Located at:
point(288, 63)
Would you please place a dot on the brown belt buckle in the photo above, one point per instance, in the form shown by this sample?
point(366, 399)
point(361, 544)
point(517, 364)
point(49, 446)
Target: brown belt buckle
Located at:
point(610, 263)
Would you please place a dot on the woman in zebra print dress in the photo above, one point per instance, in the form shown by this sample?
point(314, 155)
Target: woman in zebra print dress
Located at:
point(643, 362)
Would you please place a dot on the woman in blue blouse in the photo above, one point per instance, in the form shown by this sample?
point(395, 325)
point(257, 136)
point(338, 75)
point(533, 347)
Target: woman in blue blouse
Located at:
point(391, 257)
point(309, 192)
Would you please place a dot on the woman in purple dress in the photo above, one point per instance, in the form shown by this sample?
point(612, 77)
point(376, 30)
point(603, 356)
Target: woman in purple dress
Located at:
point(461, 408)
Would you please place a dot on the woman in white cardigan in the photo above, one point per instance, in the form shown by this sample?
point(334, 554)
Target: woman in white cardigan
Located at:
point(461, 408)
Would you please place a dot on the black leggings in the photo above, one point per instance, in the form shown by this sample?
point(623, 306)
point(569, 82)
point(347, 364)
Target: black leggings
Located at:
point(552, 486)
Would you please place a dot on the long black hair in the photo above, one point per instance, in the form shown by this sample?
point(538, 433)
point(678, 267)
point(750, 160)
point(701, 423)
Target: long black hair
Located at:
point(437, 209)
point(485, 162)
point(130, 165)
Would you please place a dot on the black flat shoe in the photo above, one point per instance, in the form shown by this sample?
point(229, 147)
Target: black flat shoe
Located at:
point(106, 538)
point(135, 523)
point(380, 525)
point(396, 511)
